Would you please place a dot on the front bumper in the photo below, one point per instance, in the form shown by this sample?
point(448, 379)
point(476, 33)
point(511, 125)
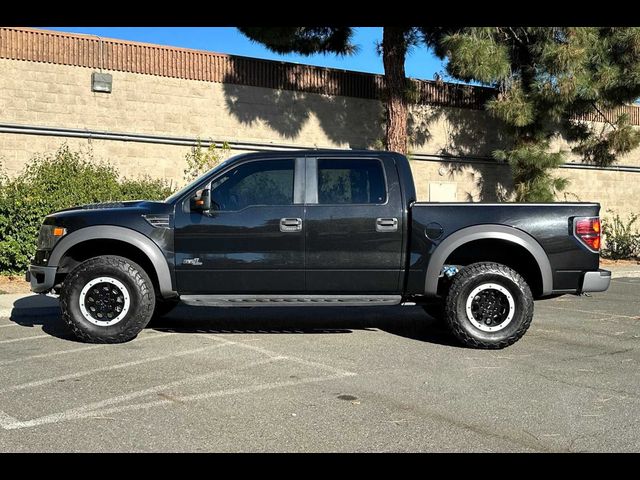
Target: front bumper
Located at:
point(42, 279)
point(596, 281)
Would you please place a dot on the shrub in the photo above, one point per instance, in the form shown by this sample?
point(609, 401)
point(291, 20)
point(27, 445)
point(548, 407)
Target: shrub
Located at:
point(146, 188)
point(52, 182)
point(200, 160)
point(621, 239)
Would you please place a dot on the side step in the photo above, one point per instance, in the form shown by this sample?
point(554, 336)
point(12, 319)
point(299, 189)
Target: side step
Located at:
point(289, 300)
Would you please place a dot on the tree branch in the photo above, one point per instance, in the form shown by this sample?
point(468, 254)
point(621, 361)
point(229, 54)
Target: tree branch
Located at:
point(606, 120)
point(515, 35)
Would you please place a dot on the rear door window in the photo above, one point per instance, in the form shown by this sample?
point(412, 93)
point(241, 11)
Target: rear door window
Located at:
point(351, 181)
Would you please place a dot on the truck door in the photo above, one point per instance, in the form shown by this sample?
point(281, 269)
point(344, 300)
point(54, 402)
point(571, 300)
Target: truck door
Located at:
point(353, 225)
point(252, 239)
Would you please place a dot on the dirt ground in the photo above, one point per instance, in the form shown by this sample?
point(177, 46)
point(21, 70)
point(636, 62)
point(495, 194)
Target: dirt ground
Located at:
point(607, 262)
point(13, 284)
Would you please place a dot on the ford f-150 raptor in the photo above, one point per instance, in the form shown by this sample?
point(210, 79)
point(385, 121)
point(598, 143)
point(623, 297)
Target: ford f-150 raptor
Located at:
point(314, 227)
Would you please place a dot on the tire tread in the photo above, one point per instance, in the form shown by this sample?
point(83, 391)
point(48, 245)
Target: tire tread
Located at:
point(460, 280)
point(137, 322)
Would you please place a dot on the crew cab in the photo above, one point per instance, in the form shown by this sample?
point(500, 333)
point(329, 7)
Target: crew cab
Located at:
point(321, 228)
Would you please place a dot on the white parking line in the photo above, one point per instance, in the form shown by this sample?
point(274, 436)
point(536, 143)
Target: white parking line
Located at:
point(189, 398)
point(11, 325)
point(24, 339)
point(594, 312)
point(108, 368)
point(80, 349)
point(7, 420)
point(286, 357)
point(269, 353)
point(95, 409)
point(91, 409)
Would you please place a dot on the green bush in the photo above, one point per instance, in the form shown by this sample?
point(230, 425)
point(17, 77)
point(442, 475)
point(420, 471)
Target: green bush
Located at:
point(621, 239)
point(200, 160)
point(52, 182)
point(146, 188)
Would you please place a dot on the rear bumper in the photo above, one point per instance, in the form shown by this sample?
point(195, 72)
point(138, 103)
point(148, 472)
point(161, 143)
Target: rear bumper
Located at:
point(42, 279)
point(596, 281)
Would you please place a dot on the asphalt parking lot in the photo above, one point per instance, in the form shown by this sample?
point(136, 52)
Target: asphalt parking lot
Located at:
point(327, 379)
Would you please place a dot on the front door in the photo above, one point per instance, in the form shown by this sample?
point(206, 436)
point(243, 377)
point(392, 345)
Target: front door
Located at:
point(252, 239)
point(353, 226)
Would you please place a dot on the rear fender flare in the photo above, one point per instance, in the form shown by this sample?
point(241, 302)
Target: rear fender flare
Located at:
point(482, 232)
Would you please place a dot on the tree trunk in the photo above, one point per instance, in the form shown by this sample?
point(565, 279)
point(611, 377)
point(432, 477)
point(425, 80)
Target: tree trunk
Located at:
point(394, 51)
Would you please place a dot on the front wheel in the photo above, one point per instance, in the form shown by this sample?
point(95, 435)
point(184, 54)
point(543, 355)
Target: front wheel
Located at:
point(488, 305)
point(107, 299)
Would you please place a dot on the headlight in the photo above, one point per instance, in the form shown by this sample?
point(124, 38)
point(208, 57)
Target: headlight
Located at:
point(49, 236)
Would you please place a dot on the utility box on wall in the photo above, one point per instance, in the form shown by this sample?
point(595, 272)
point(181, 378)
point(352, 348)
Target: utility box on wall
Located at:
point(443, 191)
point(101, 82)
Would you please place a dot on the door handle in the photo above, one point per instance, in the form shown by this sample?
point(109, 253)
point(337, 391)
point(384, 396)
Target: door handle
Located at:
point(386, 225)
point(290, 224)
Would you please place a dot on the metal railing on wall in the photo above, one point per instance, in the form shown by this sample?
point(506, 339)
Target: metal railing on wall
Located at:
point(255, 146)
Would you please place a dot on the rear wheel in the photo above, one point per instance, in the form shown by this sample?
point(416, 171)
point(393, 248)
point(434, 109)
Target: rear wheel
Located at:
point(488, 305)
point(107, 299)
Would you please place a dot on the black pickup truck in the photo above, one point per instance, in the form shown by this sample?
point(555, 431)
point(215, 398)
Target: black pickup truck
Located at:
point(315, 228)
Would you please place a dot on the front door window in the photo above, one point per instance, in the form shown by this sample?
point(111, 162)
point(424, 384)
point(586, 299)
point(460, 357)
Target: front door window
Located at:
point(257, 183)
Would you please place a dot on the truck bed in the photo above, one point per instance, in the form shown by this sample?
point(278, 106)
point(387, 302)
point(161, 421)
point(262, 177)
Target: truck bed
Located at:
point(549, 225)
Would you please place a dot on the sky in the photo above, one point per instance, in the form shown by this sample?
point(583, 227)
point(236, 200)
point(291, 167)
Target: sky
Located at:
point(420, 63)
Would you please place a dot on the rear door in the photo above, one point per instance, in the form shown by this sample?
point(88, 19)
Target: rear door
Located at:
point(353, 225)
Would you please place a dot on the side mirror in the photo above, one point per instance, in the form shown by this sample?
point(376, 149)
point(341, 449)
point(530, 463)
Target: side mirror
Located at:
point(202, 202)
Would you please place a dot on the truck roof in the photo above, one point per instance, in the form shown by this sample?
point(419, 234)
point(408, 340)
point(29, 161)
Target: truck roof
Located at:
point(322, 152)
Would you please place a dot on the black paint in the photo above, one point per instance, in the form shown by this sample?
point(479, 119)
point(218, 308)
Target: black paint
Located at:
point(337, 250)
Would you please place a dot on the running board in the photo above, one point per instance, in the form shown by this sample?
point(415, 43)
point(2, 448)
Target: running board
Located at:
point(289, 300)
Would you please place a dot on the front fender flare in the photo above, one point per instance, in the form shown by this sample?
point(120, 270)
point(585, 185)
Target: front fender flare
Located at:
point(482, 232)
point(108, 232)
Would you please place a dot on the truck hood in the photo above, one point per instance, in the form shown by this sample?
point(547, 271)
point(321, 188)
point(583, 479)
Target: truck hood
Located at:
point(113, 213)
point(141, 204)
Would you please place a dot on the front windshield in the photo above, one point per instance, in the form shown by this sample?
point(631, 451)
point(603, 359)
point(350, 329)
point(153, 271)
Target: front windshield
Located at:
point(174, 196)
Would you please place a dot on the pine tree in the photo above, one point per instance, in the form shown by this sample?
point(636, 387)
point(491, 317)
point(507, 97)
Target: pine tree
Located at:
point(546, 79)
point(396, 42)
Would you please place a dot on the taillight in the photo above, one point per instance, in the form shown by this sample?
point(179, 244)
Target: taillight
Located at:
point(587, 230)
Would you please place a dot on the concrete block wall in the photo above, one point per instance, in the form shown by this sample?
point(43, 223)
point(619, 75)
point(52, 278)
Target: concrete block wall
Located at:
point(53, 95)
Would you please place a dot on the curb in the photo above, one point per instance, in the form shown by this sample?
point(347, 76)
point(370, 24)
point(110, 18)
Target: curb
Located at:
point(623, 274)
point(19, 305)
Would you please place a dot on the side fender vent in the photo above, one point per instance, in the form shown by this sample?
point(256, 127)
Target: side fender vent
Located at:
point(157, 221)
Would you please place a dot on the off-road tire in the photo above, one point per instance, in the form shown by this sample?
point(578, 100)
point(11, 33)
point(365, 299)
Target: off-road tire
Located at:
point(132, 276)
point(463, 285)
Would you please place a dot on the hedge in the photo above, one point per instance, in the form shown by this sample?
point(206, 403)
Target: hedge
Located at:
point(51, 182)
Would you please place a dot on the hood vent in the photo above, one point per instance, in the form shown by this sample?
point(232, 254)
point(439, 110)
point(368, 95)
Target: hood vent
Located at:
point(100, 206)
point(157, 221)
